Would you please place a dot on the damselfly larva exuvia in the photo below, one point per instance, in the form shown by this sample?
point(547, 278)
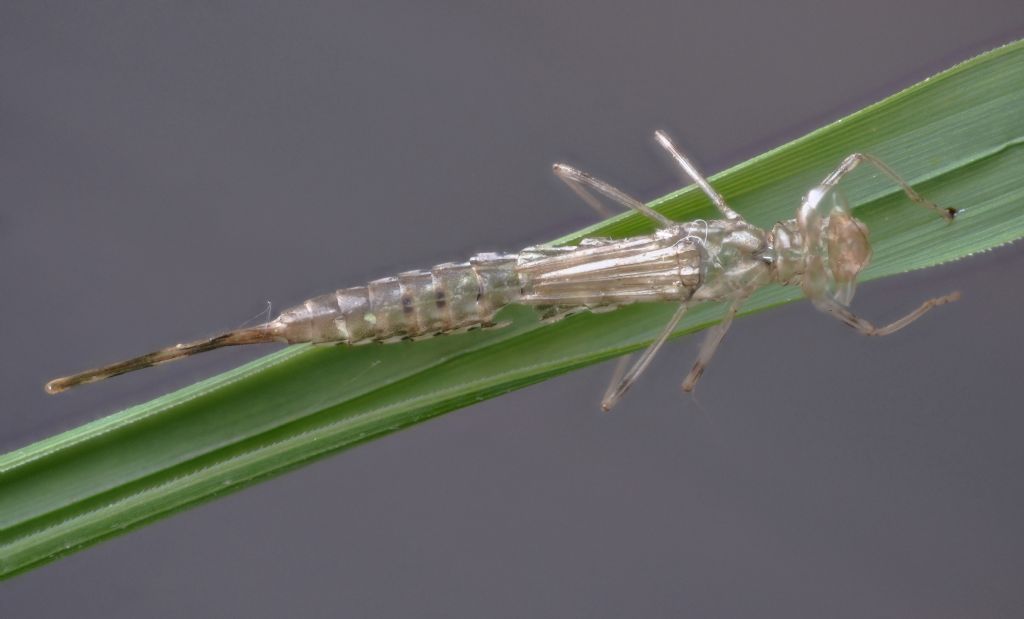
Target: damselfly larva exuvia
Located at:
point(822, 249)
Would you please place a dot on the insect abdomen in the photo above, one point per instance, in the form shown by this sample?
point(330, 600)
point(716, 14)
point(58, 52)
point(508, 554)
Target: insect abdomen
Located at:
point(413, 304)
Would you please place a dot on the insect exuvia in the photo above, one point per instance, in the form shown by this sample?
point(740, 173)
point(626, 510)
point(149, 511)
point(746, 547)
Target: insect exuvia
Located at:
point(822, 249)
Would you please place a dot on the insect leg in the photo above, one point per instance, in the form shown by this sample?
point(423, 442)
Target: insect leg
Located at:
point(692, 171)
point(578, 181)
point(852, 161)
point(846, 316)
point(620, 385)
point(710, 345)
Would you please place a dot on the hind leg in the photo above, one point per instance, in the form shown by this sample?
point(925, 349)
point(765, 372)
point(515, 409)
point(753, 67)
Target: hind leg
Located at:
point(621, 384)
point(579, 181)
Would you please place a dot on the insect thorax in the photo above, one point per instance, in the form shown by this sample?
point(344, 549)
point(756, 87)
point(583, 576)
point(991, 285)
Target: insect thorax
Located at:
point(601, 272)
point(787, 244)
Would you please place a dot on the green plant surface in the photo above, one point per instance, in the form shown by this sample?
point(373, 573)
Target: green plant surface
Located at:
point(956, 137)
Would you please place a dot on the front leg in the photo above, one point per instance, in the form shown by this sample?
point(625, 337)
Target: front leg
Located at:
point(849, 318)
point(852, 161)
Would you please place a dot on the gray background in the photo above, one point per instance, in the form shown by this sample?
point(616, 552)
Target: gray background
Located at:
point(166, 168)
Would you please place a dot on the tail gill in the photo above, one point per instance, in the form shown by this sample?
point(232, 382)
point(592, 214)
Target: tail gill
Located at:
point(254, 335)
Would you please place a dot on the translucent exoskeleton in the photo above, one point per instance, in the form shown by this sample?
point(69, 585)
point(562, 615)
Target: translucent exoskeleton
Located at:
point(822, 250)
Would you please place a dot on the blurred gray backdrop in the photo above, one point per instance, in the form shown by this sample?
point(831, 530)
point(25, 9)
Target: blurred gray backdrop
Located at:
point(168, 168)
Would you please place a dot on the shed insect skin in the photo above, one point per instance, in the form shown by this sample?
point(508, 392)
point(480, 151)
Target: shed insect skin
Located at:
point(823, 250)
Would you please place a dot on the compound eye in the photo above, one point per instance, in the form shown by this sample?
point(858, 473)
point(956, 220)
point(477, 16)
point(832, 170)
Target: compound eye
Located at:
point(849, 251)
